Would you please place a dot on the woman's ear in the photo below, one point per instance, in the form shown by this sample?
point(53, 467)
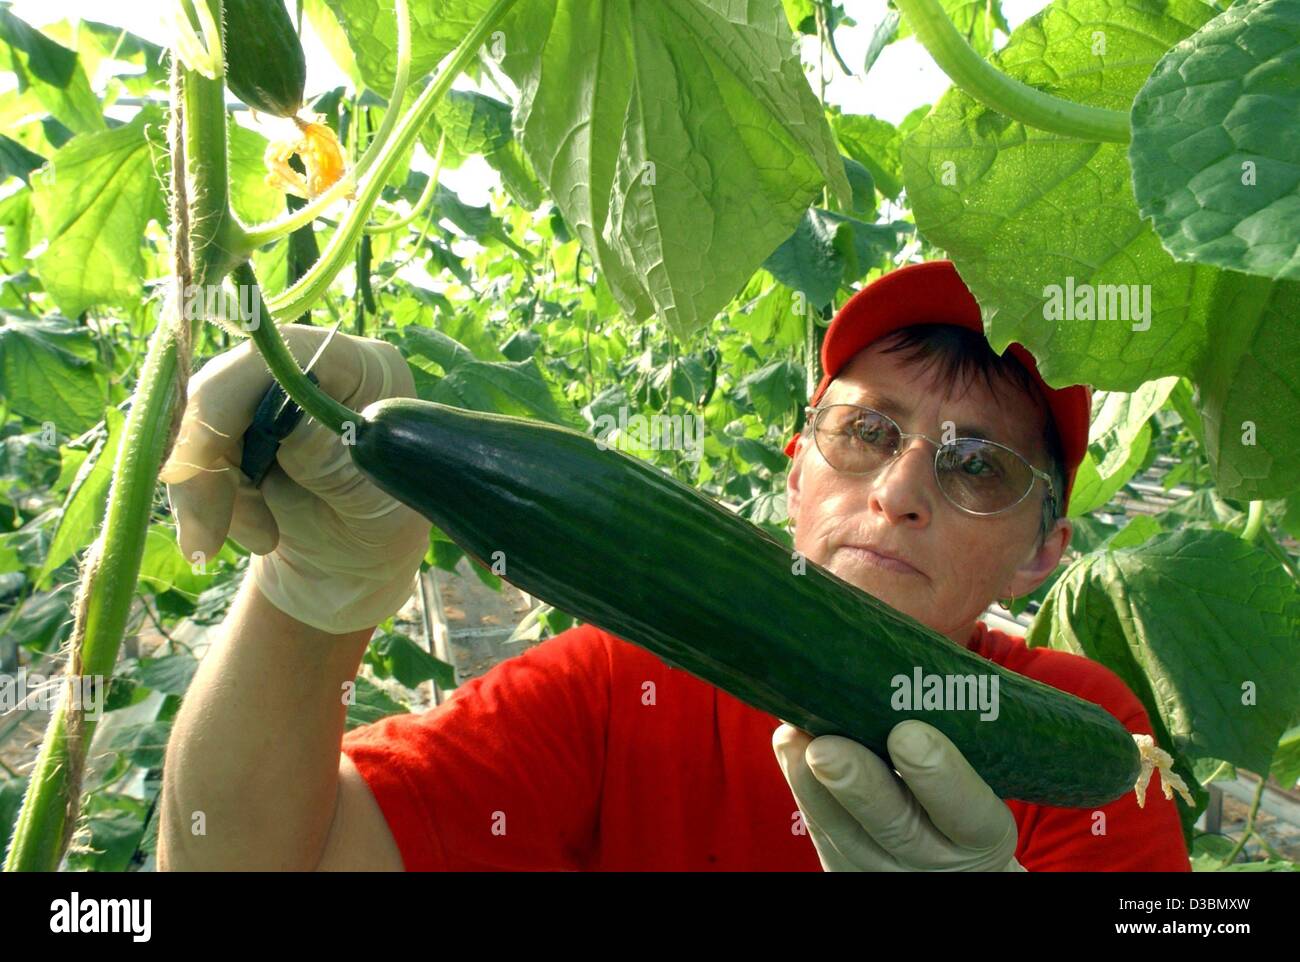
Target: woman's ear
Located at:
point(1043, 561)
point(794, 479)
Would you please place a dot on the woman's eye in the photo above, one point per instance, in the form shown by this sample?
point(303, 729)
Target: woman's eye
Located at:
point(870, 433)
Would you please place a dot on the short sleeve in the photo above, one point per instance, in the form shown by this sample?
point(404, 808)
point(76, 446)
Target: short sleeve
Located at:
point(507, 773)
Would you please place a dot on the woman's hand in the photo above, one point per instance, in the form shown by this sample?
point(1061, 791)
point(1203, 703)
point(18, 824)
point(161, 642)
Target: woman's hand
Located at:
point(330, 549)
point(940, 817)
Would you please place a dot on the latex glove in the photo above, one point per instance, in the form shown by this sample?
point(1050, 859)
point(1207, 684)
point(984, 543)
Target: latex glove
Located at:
point(940, 817)
point(329, 548)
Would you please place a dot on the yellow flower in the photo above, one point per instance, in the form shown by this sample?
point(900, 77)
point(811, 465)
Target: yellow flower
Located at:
point(321, 155)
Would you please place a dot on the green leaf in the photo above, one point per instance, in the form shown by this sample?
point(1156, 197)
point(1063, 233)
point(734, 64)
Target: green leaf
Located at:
point(254, 200)
point(372, 704)
point(437, 26)
point(1100, 301)
point(49, 73)
point(885, 33)
point(12, 791)
point(828, 249)
point(49, 372)
point(876, 144)
point(1117, 443)
point(16, 160)
point(164, 568)
point(396, 656)
point(808, 259)
point(447, 352)
point(84, 507)
point(335, 39)
point(116, 825)
point(521, 345)
point(473, 122)
point(1202, 626)
point(864, 189)
point(774, 390)
point(93, 202)
point(775, 321)
point(1286, 760)
point(96, 43)
point(680, 140)
point(1209, 851)
point(1139, 530)
point(1216, 142)
point(517, 175)
point(170, 674)
point(509, 387)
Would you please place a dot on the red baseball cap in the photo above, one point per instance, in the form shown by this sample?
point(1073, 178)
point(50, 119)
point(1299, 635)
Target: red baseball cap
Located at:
point(933, 292)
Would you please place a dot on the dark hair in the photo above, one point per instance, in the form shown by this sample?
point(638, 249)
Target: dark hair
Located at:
point(960, 355)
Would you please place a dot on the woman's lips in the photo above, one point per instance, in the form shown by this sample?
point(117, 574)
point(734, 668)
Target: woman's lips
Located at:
point(878, 560)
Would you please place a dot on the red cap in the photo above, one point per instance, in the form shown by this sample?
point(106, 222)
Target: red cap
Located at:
point(933, 292)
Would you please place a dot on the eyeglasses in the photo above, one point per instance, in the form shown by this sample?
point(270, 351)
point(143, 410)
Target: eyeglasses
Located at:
point(977, 476)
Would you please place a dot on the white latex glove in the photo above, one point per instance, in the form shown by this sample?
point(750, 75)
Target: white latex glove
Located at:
point(329, 548)
point(940, 817)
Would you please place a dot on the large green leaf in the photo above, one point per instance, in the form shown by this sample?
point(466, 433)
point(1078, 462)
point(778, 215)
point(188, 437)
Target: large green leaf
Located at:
point(1045, 231)
point(1201, 625)
point(437, 26)
point(1216, 142)
point(679, 138)
point(49, 73)
point(93, 201)
point(48, 372)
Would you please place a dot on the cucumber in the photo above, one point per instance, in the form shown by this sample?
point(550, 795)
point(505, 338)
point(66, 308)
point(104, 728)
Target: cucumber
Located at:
point(265, 66)
point(618, 543)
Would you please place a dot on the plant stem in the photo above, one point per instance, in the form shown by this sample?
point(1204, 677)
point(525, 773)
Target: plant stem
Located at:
point(201, 226)
point(302, 295)
point(1270, 545)
point(285, 368)
point(216, 237)
point(969, 71)
point(1254, 521)
point(426, 195)
point(45, 823)
point(1250, 823)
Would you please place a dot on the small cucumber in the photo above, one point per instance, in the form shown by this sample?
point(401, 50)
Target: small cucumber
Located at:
point(265, 66)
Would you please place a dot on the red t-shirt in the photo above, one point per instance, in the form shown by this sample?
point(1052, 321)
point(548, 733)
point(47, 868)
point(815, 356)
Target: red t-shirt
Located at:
point(587, 752)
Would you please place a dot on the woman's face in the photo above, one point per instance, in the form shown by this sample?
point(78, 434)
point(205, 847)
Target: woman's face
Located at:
point(956, 564)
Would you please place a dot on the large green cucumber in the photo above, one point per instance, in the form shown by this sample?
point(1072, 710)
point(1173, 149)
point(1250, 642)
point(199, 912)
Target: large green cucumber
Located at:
point(620, 544)
point(265, 66)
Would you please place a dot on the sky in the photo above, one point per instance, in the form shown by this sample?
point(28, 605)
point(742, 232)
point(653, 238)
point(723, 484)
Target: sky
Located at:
point(902, 79)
